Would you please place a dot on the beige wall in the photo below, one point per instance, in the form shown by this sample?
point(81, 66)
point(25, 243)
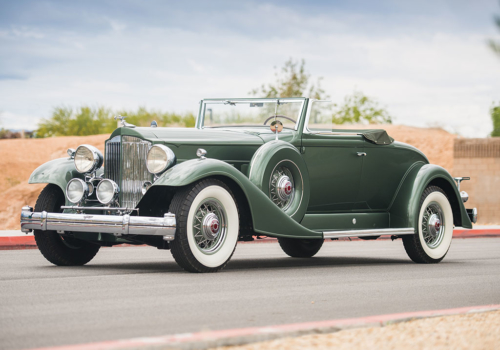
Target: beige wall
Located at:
point(480, 159)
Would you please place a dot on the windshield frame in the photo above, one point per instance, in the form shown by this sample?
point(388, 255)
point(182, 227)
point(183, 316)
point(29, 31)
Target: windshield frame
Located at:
point(203, 107)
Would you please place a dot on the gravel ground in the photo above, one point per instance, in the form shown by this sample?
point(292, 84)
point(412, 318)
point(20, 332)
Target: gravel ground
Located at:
point(470, 331)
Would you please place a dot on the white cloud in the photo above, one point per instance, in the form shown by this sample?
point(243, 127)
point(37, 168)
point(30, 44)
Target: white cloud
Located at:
point(196, 66)
point(423, 76)
point(26, 32)
point(18, 121)
point(117, 26)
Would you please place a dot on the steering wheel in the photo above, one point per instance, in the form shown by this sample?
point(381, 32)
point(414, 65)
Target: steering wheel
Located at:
point(279, 116)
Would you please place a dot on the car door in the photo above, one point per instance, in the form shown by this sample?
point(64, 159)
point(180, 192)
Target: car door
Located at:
point(384, 167)
point(334, 163)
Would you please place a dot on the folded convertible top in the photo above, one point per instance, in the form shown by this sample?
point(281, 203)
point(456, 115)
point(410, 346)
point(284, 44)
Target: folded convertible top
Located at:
point(377, 136)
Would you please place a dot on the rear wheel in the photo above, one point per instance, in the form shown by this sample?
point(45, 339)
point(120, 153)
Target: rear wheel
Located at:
point(207, 226)
point(432, 238)
point(59, 250)
point(300, 248)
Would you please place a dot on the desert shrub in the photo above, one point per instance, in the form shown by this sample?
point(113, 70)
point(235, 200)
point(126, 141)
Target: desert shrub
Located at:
point(85, 120)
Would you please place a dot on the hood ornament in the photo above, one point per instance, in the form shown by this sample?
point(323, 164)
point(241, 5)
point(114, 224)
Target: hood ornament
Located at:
point(124, 123)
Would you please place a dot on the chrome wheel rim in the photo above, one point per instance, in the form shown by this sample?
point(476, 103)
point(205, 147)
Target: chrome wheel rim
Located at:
point(433, 225)
point(282, 188)
point(210, 226)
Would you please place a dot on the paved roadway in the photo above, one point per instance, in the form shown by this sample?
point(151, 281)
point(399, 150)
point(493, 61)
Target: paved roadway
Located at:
point(140, 291)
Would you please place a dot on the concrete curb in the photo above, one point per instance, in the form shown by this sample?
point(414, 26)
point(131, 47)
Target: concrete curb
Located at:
point(13, 240)
point(211, 339)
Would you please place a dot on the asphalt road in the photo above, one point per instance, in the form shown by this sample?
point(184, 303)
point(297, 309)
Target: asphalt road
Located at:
point(135, 292)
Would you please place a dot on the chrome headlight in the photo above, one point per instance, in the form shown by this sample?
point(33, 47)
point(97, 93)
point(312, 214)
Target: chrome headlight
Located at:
point(106, 191)
point(76, 190)
point(87, 159)
point(159, 159)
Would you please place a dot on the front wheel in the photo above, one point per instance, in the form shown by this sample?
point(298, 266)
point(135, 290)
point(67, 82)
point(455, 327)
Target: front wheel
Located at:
point(433, 235)
point(207, 226)
point(59, 250)
point(300, 248)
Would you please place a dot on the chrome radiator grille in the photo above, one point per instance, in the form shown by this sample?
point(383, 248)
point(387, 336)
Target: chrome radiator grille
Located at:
point(125, 163)
point(112, 159)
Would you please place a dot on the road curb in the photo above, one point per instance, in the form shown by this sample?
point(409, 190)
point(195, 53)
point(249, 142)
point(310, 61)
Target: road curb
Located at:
point(27, 241)
point(241, 336)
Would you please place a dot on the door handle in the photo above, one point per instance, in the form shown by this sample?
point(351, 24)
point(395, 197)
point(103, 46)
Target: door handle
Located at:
point(361, 154)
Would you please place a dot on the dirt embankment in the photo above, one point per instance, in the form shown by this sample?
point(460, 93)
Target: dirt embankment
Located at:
point(459, 332)
point(20, 157)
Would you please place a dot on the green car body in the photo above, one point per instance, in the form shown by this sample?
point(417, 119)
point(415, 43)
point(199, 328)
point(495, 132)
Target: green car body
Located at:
point(346, 182)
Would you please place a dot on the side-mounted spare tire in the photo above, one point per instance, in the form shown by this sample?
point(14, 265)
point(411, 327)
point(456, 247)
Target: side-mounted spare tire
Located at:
point(277, 168)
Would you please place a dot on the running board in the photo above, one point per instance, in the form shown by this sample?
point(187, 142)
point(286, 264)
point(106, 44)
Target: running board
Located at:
point(368, 233)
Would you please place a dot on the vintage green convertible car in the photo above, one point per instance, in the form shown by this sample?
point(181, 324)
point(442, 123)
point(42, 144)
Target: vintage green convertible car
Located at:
point(250, 168)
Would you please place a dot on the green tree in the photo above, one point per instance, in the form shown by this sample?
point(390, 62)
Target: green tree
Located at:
point(83, 121)
point(495, 117)
point(495, 45)
point(66, 121)
point(358, 109)
point(292, 80)
point(495, 110)
point(3, 132)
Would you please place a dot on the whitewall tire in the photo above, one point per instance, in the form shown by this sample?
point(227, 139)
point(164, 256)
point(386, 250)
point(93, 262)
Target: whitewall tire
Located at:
point(207, 226)
point(434, 232)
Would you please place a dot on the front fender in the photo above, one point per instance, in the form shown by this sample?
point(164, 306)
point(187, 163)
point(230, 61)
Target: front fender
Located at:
point(267, 218)
point(404, 210)
point(57, 172)
point(267, 158)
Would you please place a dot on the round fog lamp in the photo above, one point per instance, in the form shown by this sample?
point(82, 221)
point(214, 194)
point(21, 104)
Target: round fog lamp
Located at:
point(76, 190)
point(106, 191)
point(159, 159)
point(87, 159)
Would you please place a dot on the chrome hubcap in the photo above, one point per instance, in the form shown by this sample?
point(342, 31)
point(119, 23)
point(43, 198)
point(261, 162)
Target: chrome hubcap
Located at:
point(210, 226)
point(433, 225)
point(281, 187)
point(284, 187)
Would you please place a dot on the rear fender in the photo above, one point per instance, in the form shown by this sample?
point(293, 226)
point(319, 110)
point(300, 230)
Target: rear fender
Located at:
point(405, 208)
point(267, 218)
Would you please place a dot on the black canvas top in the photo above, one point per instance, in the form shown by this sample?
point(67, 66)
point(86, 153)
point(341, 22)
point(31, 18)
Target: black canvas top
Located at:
point(377, 136)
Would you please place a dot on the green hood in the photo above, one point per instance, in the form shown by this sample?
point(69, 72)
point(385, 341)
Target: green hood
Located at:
point(231, 145)
point(190, 136)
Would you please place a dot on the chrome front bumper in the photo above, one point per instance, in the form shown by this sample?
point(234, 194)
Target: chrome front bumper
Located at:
point(114, 224)
point(472, 215)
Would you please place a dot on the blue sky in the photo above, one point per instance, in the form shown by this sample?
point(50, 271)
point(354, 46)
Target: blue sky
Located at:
point(426, 61)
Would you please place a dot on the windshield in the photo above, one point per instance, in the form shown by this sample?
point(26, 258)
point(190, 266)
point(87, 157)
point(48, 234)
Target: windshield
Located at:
point(251, 113)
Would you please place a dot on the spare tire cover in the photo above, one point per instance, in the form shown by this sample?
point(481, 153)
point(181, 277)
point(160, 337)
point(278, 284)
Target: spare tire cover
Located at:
point(277, 168)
